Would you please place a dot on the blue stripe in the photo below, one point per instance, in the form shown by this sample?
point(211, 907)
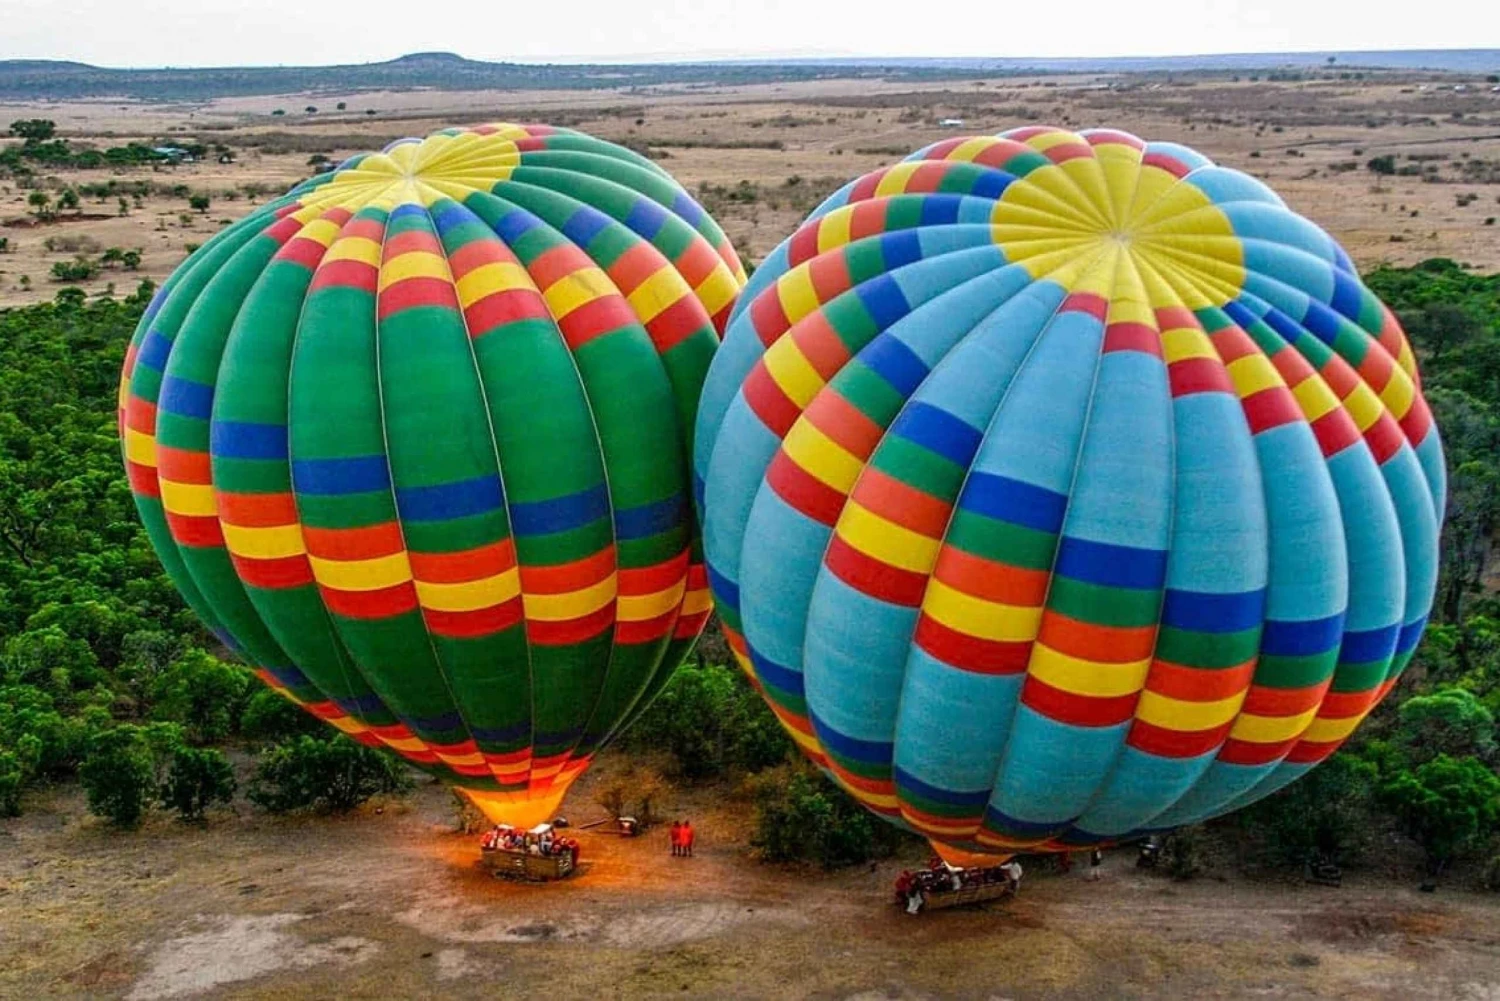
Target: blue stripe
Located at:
point(900, 247)
point(1109, 565)
point(1242, 315)
point(1008, 825)
point(651, 519)
point(883, 300)
point(288, 675)
point(1015, 501)
point(1347, 296)
point(1370, 645)
point(1411, 635)
point(330, 477)
point(246, 440)
point(726, 592)
point(1301, 639)
point(907, 782)
point(434, 724)
point(502, 734)
point(585, 224)
point(1201, 612)
point(560, 514)
point(513, 225)
point(451, 216)
point(940, 210)
point(1284, 325)
point(154, 350)
point(871, 752)
point(688, 209)
point(186, 398)
point(774, 675)
point(368, 704)
point(557, 738)
point(894, 362)
point(1322, 321)
point(450, 500)
point(992, 183)
point(405, 210)
point(938, 431)
point(646, 218)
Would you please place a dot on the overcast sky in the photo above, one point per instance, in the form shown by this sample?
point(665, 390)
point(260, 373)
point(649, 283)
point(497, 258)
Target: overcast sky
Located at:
point(306, 32)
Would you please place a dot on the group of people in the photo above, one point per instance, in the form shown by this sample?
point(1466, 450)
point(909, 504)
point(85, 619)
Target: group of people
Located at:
point(682, 838)
point(913, 888)
point(503, 837)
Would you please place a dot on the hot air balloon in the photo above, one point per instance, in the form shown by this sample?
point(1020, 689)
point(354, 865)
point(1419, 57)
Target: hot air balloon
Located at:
point(1062, 487)
point(414, 441)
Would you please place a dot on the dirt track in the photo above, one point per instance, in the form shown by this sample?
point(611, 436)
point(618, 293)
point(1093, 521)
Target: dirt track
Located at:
point(390, 905)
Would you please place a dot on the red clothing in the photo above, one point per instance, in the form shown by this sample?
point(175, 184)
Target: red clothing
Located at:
point(687, 836)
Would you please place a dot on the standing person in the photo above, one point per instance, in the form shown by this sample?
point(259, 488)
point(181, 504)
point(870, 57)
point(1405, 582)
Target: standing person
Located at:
point(676, 835)
point(1012, 870)
point(687, 838)
point(1096, 862)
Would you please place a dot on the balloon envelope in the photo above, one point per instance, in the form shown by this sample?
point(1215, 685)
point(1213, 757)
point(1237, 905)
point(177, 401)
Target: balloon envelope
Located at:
point(1062, 487)
point(414, 440)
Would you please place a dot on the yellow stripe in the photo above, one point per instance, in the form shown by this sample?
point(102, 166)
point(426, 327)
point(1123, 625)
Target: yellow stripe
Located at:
point(1406, 359)
point(546, 771)
point(970, 148)
point(1134, 309)
point(1251, 374)
point(323, 231)
point(886, 541)
point(413, 264)
point(1052, 137)
point(487, 279)
point(1364, 406)
point(895, 180)
point(577, 289)
point(700, 600)
point(1397, 394)
point(822, 457)
point(571, 605)
point(1314, 397)
point(460, 759)
point(470, 595)
point(1186, 342)
point(405, 743)
point(833, 231)
point(717, 290)
point(643, 607)
point(796, 292)
point(1325, 729)
point(1177, 714)
point(973, 616)
point(1087, 677)
point(349, 724)
point(790, 369)
point(273, 542)
point(354, 248)
point(140, 448)
point(663, 289)
point(1271, 729)
point(195, 499)
point(362, 575)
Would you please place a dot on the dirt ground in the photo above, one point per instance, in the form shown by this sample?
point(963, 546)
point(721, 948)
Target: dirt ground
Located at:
point(1309, 139)
point(389, 903)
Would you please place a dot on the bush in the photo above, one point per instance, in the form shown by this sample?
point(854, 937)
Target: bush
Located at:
point(11, 781)
point(270, 717)
point(800, 816)
point(196, 780)
point(1449, 806)
point(202, 693)
point(79, 269)
point(711, 721)
point(1327, 812)
point(328, 775)
point(119, 775)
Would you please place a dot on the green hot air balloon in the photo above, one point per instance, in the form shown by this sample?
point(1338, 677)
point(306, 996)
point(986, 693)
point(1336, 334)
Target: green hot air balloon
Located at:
point(414, 440)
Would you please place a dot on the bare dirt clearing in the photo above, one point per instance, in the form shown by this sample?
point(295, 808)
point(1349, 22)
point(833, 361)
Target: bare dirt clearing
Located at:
point(790, 144)
point(390, 904)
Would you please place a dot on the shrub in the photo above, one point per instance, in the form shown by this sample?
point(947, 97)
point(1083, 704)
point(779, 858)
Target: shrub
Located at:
point(1449, 806)
point(196, 780)
point(119, 775)
point(80, 269)
point(330, 775)
point(270, 717)
point(199, 201)
point(11, 780)
point(1383, 165)
point(711, 721)
point(800, 816)
point(202, 693)
point(1326, 812)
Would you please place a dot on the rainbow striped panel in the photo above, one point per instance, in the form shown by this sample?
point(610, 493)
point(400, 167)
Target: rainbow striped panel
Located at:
point(1062, 487)
point(415, 440)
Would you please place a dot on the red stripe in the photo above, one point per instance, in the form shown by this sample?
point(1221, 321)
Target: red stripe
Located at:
point(573, 630)
point(767, 316)
point(273, 574)
point(689, 626)
point(803, 491)
point(1063, 152)
point(142, 479)
point(384, 603)
point(183, 466)
point(970, 653)
point(700, 260)
point(677, 323)
point(302, 251)
point(1086, 302)
point(991, 579)
point(1078, 710)
point(775, 409)
point(1264, 701)
point(1097, 137)
point(346, 544)
point(476, 254)
point(477, 622)
point(411, 241)
point(803, 245)
point(645, 630)
point(1308, 752)
point(868, 219)
point(596, 318)
point(565, 577)
point(873, 577)
point(505, 306)
point(256, 510)
point(556, 263)
point(1172, 166)
point(654, 578)
point(1335, 432)
point(1270, 408)
point(195, 530)
point(465, 565)
point(140, 415)
point(1101, 644)
point(844, 424)
point(1198, 375)
point(1132, 337)
point(1417, 422)
point(901, 503)
point(1166, 743)
point(410, 293)
point(1384, 437)
point(1198, 684)
point(820, 345)
point(1244, 752)
point(345, 273)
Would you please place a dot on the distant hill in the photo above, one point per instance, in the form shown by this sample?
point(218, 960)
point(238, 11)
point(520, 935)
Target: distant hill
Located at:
point(40, 79)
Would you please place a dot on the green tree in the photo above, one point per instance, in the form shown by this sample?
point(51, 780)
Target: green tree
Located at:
point(329, 775)
point(68, 200)
point(269, 716)
point(197, 779)
point(33, 130)
point(41, 205)
point(1449, 806)
point(711, 721)
point(203, 693)
point(199, 200)
point(800, 816)
point(1328, 812)
point(1449, 721)
point(119, 775)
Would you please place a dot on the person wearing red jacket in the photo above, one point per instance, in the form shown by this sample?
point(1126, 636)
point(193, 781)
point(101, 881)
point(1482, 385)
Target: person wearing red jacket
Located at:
point(687, 838)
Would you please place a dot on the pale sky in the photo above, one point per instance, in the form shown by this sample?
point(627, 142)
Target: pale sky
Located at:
point(312, 32)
